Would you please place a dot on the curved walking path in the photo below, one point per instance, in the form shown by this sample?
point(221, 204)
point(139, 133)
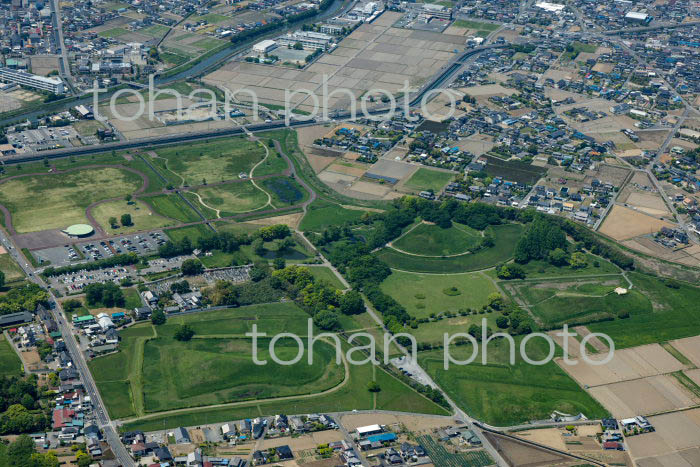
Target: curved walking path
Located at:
point(252, 171)
point(253, 402)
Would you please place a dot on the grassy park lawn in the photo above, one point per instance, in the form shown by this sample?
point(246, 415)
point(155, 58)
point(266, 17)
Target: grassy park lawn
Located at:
point(675, 314)
point(322, 214)
point(142, 217)
point(427, 179)
point(505, 238)
point(539, 269)
point(43, 202)
point(213, 161)
point(274, 164)
point(10, 268)
point(432, 240)
point(324, 273)
point(423, 294)
point(10, 364)
point(502, 394)
point(193, 232)
point(232, 198)
point(221, 356)
point(173, 207)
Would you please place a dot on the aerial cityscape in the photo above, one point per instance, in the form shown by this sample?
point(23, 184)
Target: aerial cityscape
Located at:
point(325, 233)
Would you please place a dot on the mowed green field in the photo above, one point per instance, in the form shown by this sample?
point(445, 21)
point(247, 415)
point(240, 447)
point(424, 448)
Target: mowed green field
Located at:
point(675, 314)
point(142, 217)
point(43, 202)
point(432, 240)
point(422, 294)
point(232, 198)
point(322, 214)
point(427, 179)
point(501, 394)
point(173, 207)
point(505, 238)
point(10, 364)
point(154, 372)
point(323, 273)
point(10, 268)
point(213, 161)
point(579, 301)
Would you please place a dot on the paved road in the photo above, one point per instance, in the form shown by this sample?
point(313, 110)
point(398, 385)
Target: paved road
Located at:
point(58, 30)
point(76, 354)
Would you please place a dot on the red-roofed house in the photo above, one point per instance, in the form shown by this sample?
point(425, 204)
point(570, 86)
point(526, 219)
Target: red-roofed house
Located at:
point(62, 418)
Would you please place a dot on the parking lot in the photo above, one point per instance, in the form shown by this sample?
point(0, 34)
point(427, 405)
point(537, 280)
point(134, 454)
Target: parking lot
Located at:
point(142, 245)
point(75, 282)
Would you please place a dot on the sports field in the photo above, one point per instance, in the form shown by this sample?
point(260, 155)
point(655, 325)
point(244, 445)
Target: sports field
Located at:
point(502, 395)
point(423, 294)
point(432, 240)
point(10, 364)
point(427, 179)
point(42, 202)
point(231, 198)
point(210, 161)
point(505, 238)
point(142, 217)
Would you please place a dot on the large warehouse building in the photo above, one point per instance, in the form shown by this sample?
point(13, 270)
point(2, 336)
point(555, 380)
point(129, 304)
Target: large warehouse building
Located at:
point(33, 81)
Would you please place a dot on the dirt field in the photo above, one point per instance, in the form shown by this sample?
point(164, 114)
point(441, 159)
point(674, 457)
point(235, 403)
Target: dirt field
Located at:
point(676, 442)
point(626, 365)
point(301, 443)
point(690, 347)
point(644, 396)
point(414, 422)
point(524, 455)
point(291, 220)
point(625, 223)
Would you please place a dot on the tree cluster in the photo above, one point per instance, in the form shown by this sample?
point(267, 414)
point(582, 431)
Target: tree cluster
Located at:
point(23, 299)
point(19, 404)
point(108, 295)
point(540, 238)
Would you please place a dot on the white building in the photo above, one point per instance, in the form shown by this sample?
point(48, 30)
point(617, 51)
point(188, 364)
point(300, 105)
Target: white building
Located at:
point(263, 47)
point(104, 321)
point(550, 7)
point(308, 39)
point(437, 11)
point(636, 17)
point(33, 81)
point(368, 430)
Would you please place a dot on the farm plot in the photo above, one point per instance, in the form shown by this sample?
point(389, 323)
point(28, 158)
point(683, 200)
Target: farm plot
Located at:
point(10, 268)
point(213, 161)
point(43, 202)
point(675, 443)
point(690, 348)
point(624, 223)
point(505, 237)
point(427, 179)
point(432, 240)
point(516, 171)
point(10, 364)
point(502, 394)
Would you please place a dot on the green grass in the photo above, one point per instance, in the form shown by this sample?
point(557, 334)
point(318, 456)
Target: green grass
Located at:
point(324, 273)
point(173, 58)
point(213, 161)
point(502, 394)
point(113, 33)
point(427, 179)
point(470, 24)
point(677, 354)
point(675, 314)
point(274, 164)
point(193, 232)
point(322, 214)
point(231, 198)
point(444, 458)
point(142, 217)
point(131, 298)
point(505, 237)
point(10, 268)
point(208, 43)
point(10, 364)
point(57, 201)
point(173, 207)
point(422, 294)
point(432, 240)
point(157, 368)
point(539, 269)
point(157, 30)
point(213, 18)
point(285, 191)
